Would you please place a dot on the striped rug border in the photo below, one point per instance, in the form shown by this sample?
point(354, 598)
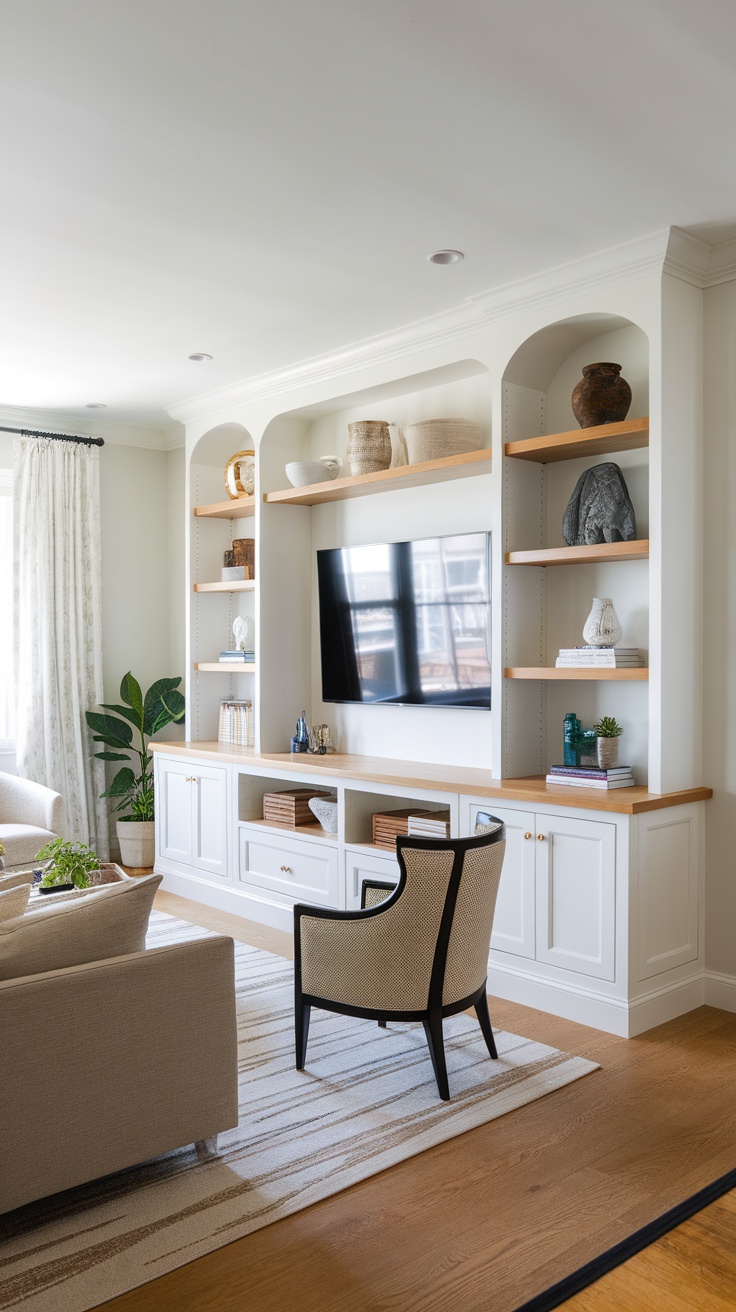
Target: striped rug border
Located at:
point(634, 1243)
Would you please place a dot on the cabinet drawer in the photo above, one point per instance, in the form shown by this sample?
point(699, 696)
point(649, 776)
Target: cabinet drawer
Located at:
point(302, 870)
point(363, 865)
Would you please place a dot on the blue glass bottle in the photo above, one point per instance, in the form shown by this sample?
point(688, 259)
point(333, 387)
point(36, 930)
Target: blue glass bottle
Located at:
point(571, 733)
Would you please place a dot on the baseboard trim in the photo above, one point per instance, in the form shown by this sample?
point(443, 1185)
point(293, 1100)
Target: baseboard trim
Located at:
point(238, 902)
point(609, 1014)
point(720, 990)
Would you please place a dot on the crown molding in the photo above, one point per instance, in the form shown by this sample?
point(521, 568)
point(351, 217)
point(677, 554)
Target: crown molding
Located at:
point(697, 262)
point(423, 334)
point(590, 273)
point(153, 439)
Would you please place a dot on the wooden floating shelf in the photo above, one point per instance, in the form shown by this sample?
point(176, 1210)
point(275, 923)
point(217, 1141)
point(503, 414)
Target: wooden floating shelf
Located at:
point(225, 667)
point(314, 831)
point(237, 585)
point(626, 436)
point(638, 674)
point(385, 480)
point(236, 509)
point(601, 552)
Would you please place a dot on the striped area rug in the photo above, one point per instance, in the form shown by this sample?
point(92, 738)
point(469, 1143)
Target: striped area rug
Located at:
point(367, 1101)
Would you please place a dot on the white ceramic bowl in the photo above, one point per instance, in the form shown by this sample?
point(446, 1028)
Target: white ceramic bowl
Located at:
point(301, 473)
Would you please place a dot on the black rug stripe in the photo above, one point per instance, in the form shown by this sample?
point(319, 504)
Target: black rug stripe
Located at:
point(613, 1257)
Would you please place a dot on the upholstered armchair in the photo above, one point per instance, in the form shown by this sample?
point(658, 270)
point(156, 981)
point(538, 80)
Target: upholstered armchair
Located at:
point(420, 953)
point(30, 815)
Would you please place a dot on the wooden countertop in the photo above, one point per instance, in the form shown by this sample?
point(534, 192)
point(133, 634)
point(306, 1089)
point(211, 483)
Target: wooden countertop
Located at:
point(442, 778)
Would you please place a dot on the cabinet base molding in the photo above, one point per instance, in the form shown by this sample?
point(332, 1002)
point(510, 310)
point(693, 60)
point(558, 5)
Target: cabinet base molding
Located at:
point(248, 904)
point(613, 1015)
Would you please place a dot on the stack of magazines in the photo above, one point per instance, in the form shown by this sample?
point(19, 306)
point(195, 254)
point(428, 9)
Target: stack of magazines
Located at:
point(583, 776)
point(237, 657)
point(612, 658)
point(430, 824)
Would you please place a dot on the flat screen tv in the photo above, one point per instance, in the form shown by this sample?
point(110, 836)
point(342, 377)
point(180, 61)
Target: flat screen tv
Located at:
point(407, 623)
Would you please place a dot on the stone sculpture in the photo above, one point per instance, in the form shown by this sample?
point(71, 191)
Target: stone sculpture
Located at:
point(599, 509)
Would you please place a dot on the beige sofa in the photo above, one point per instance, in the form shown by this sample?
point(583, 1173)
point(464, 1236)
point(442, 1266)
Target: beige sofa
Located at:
point(107, 1063)
point(30, 815)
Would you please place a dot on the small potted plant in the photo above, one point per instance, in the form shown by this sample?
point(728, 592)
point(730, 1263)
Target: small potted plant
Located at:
point(132, 787)
point(70, 866)
point(607, 732)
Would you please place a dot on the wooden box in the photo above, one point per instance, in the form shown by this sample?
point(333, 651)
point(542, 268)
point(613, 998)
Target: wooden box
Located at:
point(291, 808)
point(244, 553)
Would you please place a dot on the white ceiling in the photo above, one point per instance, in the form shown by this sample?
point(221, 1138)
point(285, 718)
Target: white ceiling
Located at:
point(263, 179)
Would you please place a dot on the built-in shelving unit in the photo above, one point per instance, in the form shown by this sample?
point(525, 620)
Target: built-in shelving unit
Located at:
point(238, 585)
point(223, 667)
point(385, 480)
point(599, 554)
point(236, 509)
point(636, 675)
point(599, 440)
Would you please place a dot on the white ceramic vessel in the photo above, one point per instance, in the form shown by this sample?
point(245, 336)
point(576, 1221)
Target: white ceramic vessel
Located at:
point(301, 473)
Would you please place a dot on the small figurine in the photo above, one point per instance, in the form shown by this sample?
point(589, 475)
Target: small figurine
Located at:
point(300, 741)
point(242, 631)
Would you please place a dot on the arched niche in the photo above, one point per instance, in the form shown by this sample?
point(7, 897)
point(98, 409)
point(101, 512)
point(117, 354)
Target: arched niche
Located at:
point(217, 445)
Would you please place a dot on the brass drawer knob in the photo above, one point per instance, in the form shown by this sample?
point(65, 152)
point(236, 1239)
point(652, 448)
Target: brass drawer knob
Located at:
point(541, 837)
point(286, 870)
point(528, 834)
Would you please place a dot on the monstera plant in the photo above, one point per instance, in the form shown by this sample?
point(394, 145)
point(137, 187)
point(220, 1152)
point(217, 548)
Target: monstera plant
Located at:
point(126, 730)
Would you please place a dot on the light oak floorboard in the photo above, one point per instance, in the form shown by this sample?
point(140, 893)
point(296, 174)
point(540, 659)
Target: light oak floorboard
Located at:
point(483, 1222)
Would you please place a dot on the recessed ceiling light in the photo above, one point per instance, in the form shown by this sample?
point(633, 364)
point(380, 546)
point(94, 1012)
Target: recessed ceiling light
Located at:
point(95, 405)
point(445, 257)
point(200, 357)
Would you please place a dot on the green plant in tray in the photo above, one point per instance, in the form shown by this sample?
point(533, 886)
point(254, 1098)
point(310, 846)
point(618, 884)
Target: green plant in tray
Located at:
point(71, 863)
point(146, 714)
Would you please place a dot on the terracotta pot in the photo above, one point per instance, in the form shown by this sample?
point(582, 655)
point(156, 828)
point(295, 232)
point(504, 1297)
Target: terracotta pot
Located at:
point(601, 396)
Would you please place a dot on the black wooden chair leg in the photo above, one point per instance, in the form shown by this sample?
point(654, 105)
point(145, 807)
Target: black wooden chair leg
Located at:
point(302, 1012)
point(484, 1019)
point(436, 1044)
point(382, 1024)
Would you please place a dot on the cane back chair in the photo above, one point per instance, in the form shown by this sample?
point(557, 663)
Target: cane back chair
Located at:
point(420, 953)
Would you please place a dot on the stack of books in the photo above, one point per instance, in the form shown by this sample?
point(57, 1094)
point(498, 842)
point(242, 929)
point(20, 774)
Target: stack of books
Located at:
point(430, 824)
point(615, 658)
point(237, 657)
point(583, 776)
point(236, 723)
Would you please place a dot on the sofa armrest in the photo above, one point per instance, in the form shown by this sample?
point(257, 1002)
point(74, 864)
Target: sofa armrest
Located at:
point(27, 803)
point(107, 1064)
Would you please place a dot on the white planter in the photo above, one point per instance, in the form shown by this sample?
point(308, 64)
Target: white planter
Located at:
point(137, 839)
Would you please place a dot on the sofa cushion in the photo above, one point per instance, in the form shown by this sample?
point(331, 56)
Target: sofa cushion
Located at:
point(22, 842)
point(13, 901)
point(107, 922)
point(15, 881)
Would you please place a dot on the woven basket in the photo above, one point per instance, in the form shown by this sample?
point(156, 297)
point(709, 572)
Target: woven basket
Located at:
point(369, 446)
point(431, 439)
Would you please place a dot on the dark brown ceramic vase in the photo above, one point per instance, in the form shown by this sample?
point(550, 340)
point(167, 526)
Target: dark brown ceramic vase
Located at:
point(602, 396)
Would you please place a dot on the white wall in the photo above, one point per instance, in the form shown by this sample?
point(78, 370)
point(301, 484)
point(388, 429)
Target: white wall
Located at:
point(719, 625)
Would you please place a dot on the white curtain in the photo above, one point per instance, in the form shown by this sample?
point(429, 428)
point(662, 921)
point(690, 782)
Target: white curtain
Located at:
point(58, 594)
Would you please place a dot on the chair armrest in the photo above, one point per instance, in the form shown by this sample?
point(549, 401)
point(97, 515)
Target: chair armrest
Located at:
point(110, 1063)
point(27, 803)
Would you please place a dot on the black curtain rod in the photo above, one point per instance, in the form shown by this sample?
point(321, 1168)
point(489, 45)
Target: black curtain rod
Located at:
point(57, 437)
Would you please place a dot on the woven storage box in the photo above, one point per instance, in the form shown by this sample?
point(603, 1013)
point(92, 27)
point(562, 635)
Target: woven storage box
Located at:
point(291, 808)
point(431, 439)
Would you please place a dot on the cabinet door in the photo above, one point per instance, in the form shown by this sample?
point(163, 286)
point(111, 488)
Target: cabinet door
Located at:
point(513, 921)
point(174, 811)
point(209, 819)
point(576, 894)
point(363, 865)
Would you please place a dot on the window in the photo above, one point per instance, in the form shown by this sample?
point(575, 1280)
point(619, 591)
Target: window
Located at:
point(7, 683)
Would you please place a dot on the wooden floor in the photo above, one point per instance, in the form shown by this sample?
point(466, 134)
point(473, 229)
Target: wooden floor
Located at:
point(485, 1221)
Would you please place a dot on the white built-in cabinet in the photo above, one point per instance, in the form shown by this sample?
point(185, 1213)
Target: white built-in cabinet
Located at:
point(600, 914)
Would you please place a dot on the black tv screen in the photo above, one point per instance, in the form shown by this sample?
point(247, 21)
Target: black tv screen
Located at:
point(407, 623)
